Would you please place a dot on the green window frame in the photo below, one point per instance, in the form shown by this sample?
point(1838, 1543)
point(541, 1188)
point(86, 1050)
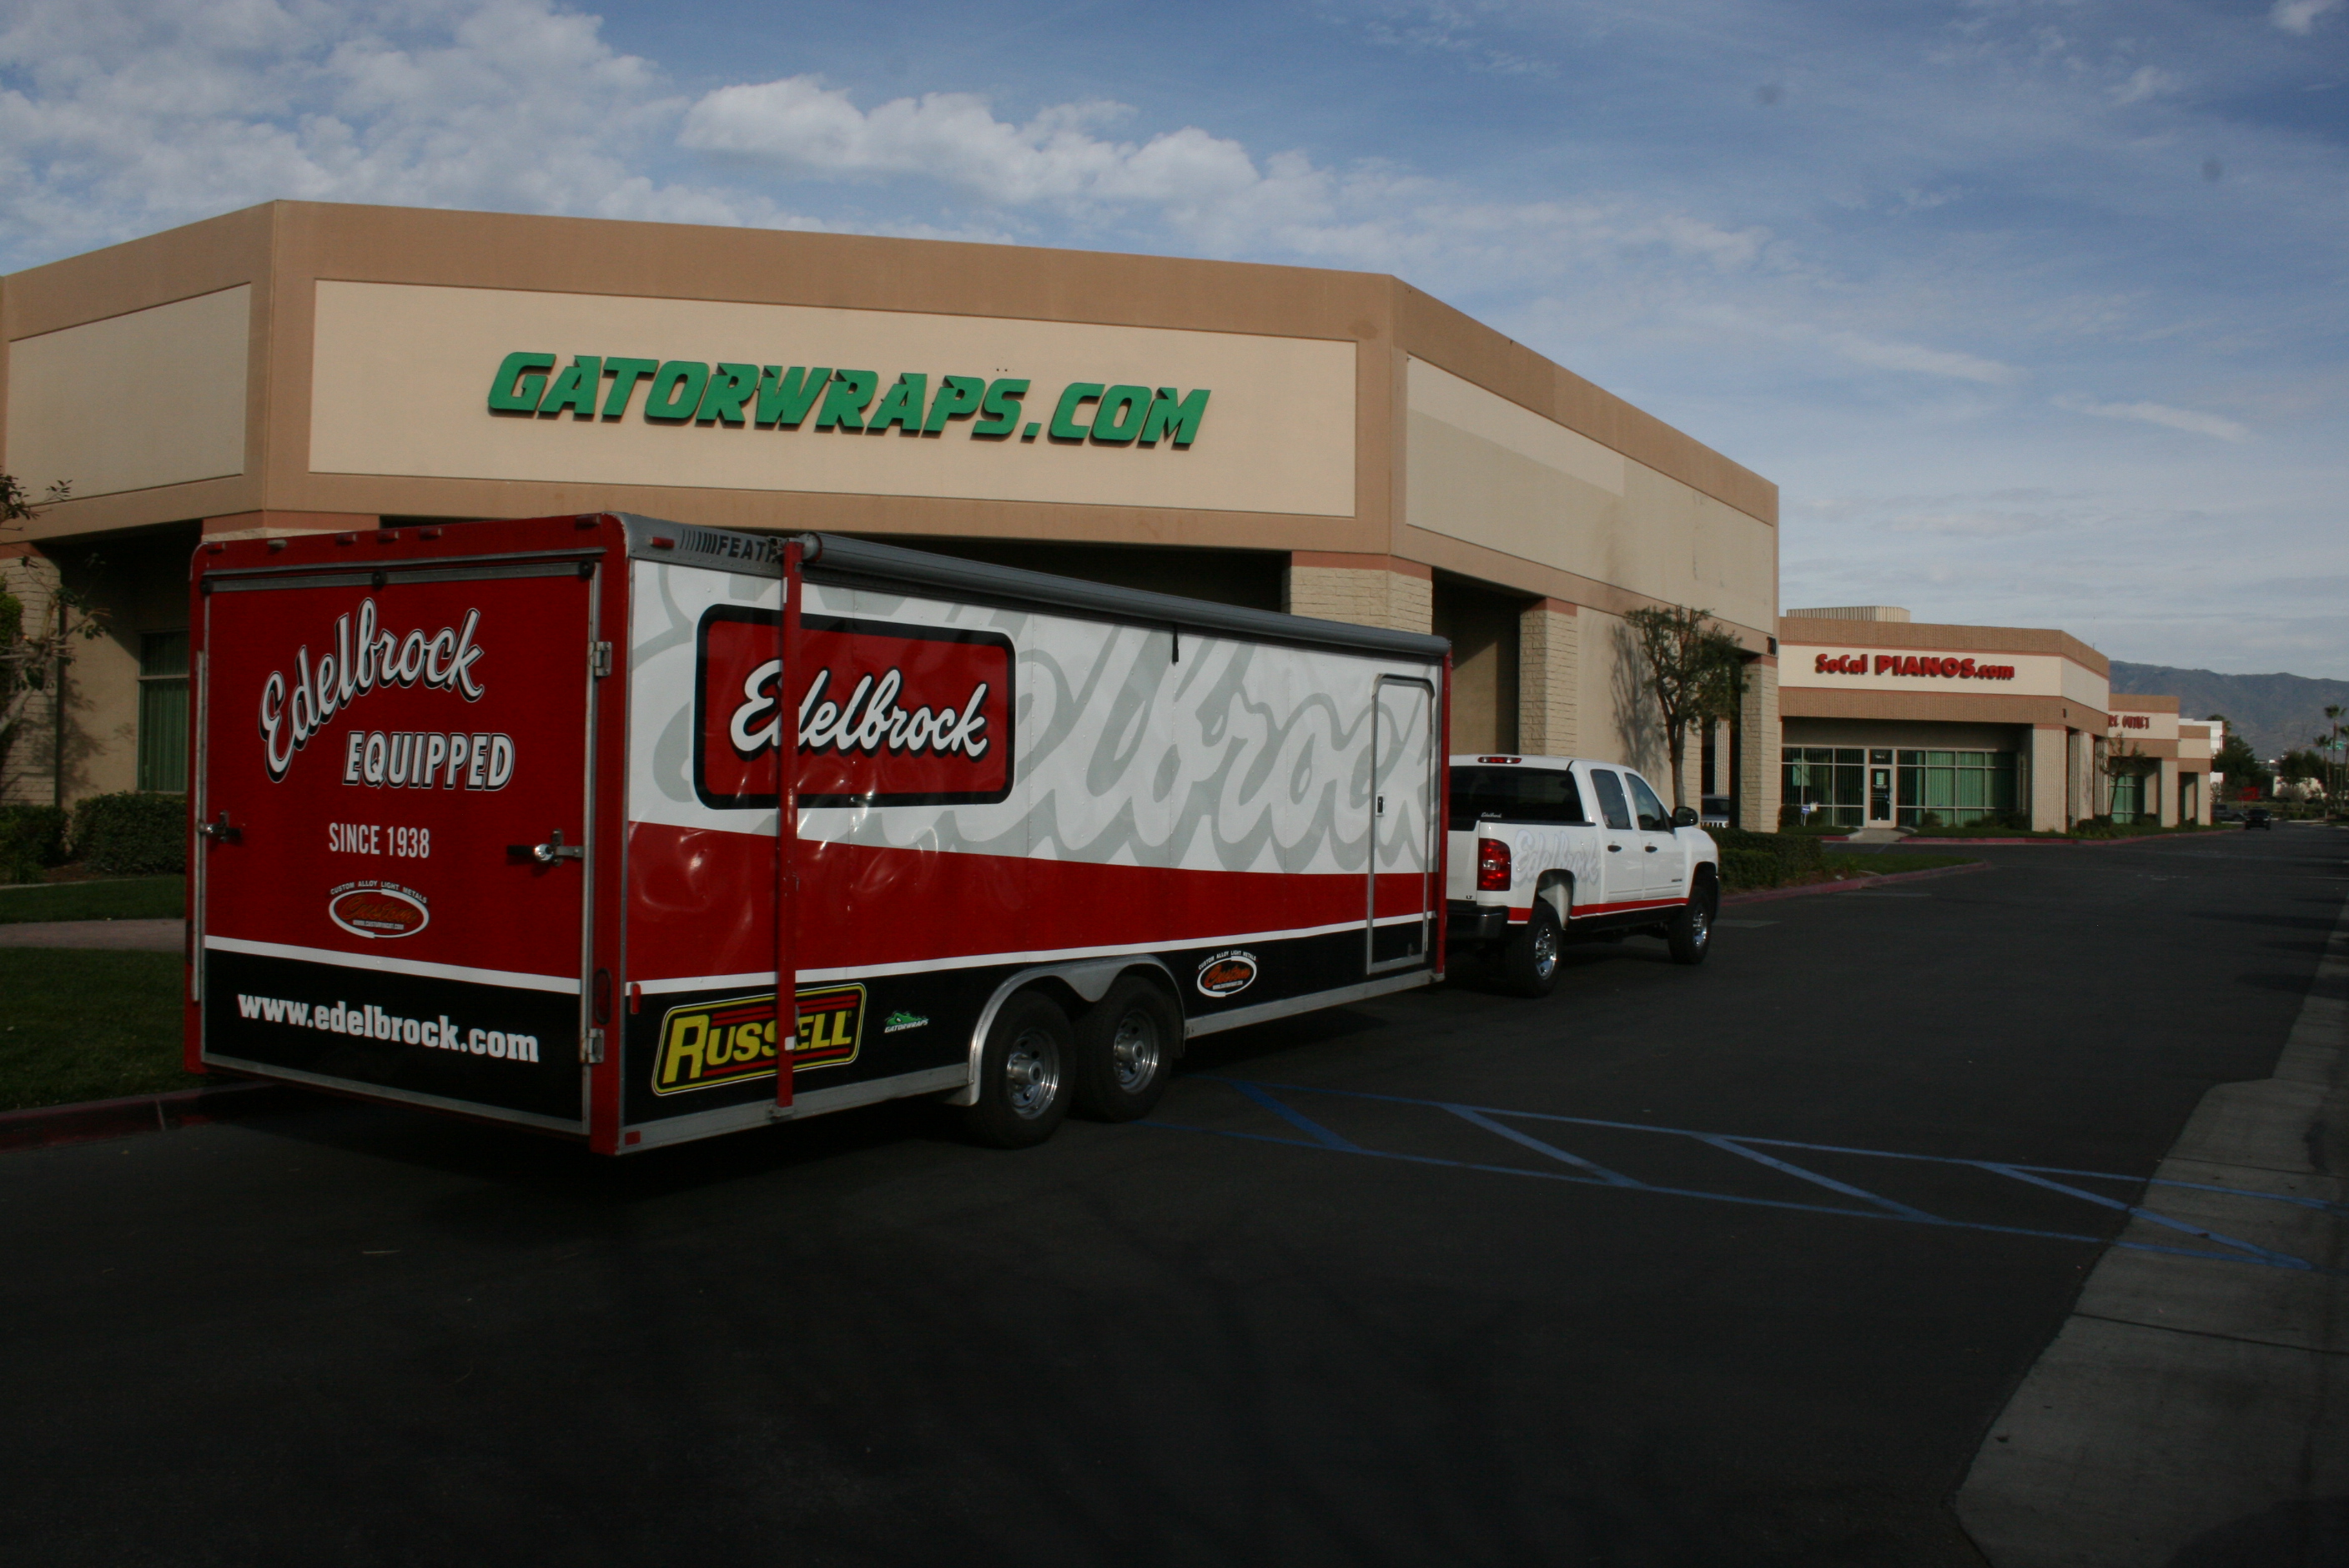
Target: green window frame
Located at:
point(163, 712)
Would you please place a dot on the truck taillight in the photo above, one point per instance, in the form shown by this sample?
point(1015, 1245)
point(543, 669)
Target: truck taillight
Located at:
point(1492, 866)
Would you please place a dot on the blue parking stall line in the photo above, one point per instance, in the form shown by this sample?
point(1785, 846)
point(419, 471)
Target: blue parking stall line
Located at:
point(1295, 1118)
point(1584, 1172)
point(1829, 1182)
point(2139, 1210)
point(1478, 1119)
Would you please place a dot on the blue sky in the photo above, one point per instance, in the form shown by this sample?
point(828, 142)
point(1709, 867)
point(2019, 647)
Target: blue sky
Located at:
point(2033, 310)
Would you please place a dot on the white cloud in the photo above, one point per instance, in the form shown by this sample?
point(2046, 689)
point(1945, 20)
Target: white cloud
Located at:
point(1200, 182)
point(2300, 15)
point(2159, 413)
point(1889, 354)
point(2147, 81)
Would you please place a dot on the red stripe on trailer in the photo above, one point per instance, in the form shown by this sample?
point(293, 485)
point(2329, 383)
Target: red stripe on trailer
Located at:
point(874, 905)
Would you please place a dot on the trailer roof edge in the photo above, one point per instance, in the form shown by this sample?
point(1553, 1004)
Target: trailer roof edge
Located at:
point(831, 554)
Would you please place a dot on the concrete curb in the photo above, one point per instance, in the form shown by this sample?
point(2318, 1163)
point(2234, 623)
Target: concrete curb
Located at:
point(1850, 885)
point(45, 1126)
point(1910, 844)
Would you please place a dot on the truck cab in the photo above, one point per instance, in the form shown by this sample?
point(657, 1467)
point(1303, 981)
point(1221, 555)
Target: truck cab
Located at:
point(1543, 851)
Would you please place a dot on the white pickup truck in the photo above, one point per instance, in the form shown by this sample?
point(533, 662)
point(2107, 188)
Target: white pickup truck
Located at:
point(1547, 850)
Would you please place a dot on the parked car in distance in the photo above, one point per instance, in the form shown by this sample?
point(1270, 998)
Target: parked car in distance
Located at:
point(1542, 850)
point(2258, 817)
point(1713, 811)
point(2226, 814)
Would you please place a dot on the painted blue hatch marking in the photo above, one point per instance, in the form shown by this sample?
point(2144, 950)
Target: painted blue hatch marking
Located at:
point(1566, 1165)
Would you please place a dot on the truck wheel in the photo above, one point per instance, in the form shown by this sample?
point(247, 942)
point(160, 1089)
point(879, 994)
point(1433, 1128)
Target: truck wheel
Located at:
point(1023, 1075)
point(1529, 962)
point(1690, 932)
point(1126, 1049)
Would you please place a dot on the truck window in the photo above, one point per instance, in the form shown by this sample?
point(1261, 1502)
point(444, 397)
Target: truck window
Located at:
point(1653, 818)
point(1610, 798)
point(1513, 795)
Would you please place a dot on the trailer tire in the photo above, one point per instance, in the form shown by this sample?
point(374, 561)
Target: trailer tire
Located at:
point(1127, 1045)
point(1023, 1075)
point(1529, 961)
point(1691, 931)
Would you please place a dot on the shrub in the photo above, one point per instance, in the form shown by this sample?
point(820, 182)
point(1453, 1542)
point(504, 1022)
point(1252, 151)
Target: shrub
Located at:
point(1767, 860)
point(31, 837)
point(134, 833)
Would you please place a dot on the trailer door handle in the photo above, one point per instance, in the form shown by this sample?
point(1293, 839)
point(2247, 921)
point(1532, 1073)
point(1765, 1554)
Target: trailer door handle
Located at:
point(547, 853)
point(220, 830)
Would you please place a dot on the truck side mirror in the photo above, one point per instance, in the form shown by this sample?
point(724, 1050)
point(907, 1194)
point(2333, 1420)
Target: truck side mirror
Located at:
point(1685, 817)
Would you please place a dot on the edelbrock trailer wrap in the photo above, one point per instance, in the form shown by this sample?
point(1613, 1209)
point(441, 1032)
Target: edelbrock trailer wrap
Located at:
point(1010, 789)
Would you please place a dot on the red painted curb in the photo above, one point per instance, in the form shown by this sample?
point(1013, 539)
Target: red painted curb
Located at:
point(1763, 895)
point(47, 1125)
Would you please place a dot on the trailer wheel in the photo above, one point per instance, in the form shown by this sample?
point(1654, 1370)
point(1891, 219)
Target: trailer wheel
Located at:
point(1126, 1049)
point(1691, 931)
point(1023, 1075)
point(1529, 962)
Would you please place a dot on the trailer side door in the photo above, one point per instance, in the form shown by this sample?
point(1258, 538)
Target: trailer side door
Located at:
point(1403, 897)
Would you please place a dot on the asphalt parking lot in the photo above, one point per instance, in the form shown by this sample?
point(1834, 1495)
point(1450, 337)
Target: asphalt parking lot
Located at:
point(1452, 1278)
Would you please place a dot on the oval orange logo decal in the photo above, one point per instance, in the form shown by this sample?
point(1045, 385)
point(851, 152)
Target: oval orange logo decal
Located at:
point(1227, 974)
point(377, 910)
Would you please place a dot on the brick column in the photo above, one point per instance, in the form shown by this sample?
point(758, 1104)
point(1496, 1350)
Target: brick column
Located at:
point(1550, 680)
point(1759, 742)
point(1366, 590)
point(2050, 775)
point(29, 775)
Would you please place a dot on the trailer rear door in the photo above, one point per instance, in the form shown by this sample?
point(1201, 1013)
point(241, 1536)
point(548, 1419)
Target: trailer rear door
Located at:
point(393, 794)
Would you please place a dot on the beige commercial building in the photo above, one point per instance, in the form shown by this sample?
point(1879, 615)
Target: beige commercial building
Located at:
point(1894, 723)
point(2158, 765)
point(1335, 444)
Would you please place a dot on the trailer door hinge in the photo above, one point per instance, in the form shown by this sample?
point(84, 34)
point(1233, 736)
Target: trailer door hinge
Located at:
point(599, 658)
point(591, 1049)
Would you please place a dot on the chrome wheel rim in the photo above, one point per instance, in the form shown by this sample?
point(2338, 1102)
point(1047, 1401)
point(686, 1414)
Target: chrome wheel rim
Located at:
point(1133, 1052)
point(1700, 925)
point(1545, 948)
point(1031, 1074)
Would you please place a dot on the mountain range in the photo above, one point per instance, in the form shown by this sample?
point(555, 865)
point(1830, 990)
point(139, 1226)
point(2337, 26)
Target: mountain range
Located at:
point(2276, 713)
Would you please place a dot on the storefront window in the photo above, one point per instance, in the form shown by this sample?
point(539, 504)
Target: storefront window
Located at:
point(1953, 788)
point(1831, 781)
point(163, 711)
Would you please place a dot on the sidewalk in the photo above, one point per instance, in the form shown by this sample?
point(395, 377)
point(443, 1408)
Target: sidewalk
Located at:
point(114, 936)
point(2193, 1412)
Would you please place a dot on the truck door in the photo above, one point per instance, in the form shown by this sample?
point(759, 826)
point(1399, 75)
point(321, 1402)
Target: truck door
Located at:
point(1624, 867)
point(393, 791)
point(1402, 895)
point(1661, 850)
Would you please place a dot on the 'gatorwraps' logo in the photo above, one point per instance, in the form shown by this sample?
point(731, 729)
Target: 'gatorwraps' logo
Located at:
point(734, 1039)
point(886, 715)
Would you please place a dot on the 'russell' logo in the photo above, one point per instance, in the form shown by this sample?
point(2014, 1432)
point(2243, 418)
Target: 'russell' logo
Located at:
point(377, 910)
point(1227, 974)
point(290, 716)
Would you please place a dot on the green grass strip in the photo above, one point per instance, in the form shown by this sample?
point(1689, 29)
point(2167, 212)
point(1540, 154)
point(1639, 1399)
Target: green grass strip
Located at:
point(78, 1026)
point(130, 898)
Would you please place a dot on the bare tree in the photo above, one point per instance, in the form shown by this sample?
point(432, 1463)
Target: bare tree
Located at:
point(33, 657)
point(1694, 669)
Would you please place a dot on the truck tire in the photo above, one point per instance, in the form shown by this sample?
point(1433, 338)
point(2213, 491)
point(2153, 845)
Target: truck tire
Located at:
point(1691, 931)
point(1023, 1075)
point(1127, 1045)
point(1529, 961)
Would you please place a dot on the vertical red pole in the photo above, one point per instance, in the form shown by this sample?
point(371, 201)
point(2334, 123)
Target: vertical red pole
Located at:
point(787, 828)
point(1442, 824)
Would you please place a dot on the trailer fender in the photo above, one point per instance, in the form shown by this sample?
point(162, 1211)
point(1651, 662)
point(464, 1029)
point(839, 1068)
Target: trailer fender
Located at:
point(1089, 978)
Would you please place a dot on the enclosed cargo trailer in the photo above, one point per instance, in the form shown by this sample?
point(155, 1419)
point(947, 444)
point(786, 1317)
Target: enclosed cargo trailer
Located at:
point(488, 818)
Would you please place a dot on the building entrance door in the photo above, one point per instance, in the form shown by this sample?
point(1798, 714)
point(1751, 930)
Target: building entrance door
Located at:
point(1879, 788)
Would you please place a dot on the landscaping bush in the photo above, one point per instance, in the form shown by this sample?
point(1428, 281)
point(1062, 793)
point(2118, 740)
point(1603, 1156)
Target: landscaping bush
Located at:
point(1766, 860)
point(31, 839)
point(134, 833)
